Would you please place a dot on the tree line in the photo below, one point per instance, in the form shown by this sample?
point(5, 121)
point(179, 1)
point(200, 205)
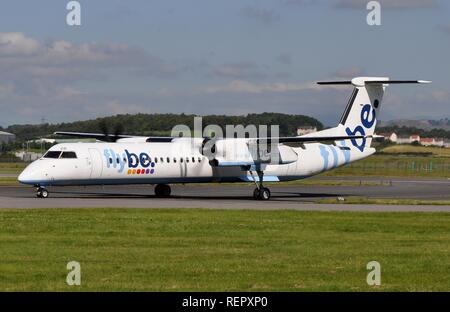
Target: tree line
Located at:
point(162, 124)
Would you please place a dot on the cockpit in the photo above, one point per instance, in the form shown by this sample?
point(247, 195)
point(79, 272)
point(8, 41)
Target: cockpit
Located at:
point(60, 155)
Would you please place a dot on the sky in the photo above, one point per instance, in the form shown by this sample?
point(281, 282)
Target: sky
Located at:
point(230, 57)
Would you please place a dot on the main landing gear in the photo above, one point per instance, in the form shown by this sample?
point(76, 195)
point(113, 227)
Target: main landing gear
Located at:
point(260, 192)
point(41, 192)
point(162, 190)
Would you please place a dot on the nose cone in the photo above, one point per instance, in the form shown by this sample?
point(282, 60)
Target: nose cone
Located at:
point(23, 177)
point(26, 177)
point(32, 174)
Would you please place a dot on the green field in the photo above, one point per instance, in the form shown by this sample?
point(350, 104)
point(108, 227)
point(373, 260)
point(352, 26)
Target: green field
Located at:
point(416, 149)
point(401, 161)
point(222, 250)
point(396, 166)
point(12, 167)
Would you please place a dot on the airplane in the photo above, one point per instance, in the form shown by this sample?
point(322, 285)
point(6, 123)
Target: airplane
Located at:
point(160, 161)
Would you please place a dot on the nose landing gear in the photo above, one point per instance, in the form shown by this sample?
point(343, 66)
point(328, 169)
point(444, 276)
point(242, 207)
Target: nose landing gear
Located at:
point(41, 192)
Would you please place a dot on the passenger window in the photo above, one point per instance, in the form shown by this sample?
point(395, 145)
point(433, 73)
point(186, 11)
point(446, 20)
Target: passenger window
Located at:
point(187, 159)
point(181, 159)
point(161, 159)
point(156, 160)
point(168, 159)
point(110, 160)
point(193, 159)
point(199, 159)
point(52, 154)
point(174, 160)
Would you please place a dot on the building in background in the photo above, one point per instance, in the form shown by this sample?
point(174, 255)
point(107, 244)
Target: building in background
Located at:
point(432, 142)
point(6, 137)
point(28, 156)
point(414, 138)
point(389, 136)
point(447, 143)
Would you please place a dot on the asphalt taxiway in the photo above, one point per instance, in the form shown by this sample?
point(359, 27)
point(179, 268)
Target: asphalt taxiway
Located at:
point(239, 196)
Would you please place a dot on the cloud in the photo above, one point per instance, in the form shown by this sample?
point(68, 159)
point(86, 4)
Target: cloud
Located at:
point(387, 4)
point(16, 43)
point(266, 16)
point(42, 68)
point(63, 80)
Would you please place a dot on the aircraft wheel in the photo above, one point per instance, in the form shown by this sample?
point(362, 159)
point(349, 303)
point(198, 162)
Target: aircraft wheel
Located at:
point(162, 190)
point(42, 193)
point(264, 194)
point(261, 194)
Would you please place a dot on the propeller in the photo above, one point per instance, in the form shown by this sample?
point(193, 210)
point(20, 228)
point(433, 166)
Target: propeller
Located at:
point(111, 136)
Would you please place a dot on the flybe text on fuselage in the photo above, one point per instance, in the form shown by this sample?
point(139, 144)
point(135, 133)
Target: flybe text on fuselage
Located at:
point(131, 163)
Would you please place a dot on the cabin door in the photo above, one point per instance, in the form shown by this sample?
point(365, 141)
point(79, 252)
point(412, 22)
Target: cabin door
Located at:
point(96, 163)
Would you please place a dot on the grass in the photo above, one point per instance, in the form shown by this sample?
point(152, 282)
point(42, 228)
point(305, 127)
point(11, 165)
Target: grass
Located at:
point(8, 181)
point(222, 250)
point(12, 167)
point(382, 201)
point(416, 149)
point(396, 166)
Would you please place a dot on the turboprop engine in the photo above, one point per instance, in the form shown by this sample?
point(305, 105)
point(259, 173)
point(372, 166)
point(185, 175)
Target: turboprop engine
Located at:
point(247, 152)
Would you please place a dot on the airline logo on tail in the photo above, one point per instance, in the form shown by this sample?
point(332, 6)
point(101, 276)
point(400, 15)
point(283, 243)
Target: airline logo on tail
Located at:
point(367, 120)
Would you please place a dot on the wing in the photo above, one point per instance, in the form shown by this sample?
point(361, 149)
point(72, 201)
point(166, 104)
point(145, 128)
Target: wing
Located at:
point(115, 137)
point(309, 139)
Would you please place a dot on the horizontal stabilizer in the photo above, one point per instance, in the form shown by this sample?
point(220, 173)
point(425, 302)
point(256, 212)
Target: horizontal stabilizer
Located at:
point(361, 81)
point(397, 81)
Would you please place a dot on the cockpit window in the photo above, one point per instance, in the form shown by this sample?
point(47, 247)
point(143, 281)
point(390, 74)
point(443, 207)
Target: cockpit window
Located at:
point(69, 155)
point(52, 154)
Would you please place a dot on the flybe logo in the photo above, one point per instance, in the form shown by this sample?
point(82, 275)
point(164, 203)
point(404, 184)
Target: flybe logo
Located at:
point(130, 163)
point(367, 119)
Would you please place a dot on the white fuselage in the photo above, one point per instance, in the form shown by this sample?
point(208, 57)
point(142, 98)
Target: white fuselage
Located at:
point(175, 162)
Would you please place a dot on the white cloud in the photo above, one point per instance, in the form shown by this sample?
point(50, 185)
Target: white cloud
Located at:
point(16, 43)
point(42, 68)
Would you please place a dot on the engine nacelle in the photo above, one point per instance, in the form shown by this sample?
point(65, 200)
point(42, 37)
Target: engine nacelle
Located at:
point(245, 152)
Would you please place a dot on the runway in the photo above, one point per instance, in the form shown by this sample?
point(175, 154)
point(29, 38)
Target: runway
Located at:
point(230, 196)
